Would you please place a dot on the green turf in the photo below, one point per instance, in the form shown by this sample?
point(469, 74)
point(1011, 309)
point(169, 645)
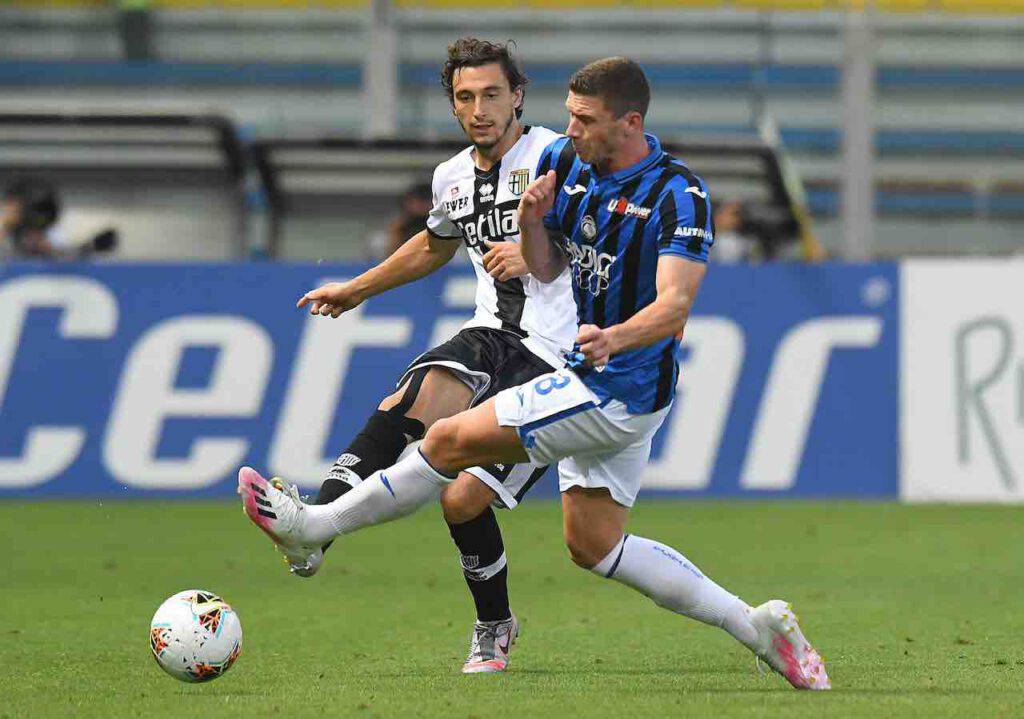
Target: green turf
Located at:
point(917, 610)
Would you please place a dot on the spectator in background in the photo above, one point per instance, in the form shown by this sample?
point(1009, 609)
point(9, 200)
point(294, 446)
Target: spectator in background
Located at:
point(30, 228)
point(414, 207)
point(28, 220)
point(731, 245)
point(755, 231)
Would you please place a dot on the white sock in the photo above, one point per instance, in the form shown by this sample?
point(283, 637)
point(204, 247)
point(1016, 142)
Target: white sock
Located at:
point(673, 582)
point(385, 495)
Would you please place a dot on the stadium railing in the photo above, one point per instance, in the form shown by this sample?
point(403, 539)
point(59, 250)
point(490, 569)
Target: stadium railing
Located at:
point(786, 61)
point(123, 152)
point(888, 6)
point(349, 174)
point(121, 143)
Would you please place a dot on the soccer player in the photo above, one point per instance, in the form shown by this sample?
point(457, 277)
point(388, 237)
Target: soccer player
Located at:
point(519, 331)
point(633, 225)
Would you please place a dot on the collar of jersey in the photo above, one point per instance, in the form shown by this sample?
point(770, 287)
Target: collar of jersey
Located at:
point(627, 172)
point(497, 165)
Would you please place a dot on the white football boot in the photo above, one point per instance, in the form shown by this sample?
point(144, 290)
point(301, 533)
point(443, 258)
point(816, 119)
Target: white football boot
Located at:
point(785, 648)
point(276, 508)
point(490, 646)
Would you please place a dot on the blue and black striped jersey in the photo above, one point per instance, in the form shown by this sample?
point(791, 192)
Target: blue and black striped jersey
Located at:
point(615, 227)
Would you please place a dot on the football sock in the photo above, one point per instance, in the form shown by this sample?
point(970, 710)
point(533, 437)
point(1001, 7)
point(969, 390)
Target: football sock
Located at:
point(673, 582)
point(484, 565)
point(377, 446)
point(383, 496)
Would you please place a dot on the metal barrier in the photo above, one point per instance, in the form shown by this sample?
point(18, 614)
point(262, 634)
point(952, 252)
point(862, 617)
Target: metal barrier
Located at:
point(122, 152)
point(355, 176)
point(973, 7)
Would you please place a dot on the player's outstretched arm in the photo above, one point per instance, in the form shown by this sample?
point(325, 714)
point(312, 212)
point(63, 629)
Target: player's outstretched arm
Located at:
point(543, 259)
point(678, 280)
point(418, 257)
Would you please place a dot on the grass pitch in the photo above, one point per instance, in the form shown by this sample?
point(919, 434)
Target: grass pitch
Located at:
point(917, 610)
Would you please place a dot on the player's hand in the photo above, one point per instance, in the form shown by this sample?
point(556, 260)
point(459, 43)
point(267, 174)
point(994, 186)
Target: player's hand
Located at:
point(504, 260)
point(596, 344)
point(538, 198)
point(332, 299)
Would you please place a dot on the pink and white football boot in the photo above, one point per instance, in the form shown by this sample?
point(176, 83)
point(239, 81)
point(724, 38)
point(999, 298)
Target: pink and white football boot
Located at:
point(490, 646)
point(276, 508)
point(785, 648)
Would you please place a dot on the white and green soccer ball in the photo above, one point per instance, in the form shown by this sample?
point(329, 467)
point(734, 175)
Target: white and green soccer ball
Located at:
point(195, 636)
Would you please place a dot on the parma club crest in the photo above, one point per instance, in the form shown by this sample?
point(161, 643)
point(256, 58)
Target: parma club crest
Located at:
point(518, 181)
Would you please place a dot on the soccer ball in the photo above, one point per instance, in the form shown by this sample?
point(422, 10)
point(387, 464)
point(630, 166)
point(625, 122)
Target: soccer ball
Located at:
point(195, 636)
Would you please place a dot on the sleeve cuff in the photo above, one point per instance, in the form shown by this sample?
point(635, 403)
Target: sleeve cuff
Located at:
point(442, 237)
point(679, 252)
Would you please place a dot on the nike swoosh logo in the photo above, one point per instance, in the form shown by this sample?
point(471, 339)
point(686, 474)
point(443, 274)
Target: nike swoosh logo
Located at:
point(696, 191)
point(574, 190)
point(504, 649)
point(387, 484)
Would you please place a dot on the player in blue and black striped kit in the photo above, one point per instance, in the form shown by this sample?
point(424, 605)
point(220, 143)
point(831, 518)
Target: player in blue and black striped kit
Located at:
point(614, 227)
point(633, 225)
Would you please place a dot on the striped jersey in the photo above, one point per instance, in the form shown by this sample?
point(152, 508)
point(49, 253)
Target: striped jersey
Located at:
point(471, 205)
point(615, 227)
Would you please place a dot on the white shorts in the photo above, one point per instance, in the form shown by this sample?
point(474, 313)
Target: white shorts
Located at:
point(596, 444)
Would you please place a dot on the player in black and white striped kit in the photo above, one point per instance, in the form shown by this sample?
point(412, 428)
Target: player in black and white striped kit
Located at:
point(476, 206)
point(520, 329)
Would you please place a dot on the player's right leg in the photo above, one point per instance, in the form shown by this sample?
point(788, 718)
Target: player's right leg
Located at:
point(487, 434)
point(427, 393)
point(471, 438)
point(497, 431)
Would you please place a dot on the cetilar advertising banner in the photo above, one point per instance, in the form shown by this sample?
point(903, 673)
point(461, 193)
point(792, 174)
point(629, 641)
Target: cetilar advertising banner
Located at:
point(162, 379)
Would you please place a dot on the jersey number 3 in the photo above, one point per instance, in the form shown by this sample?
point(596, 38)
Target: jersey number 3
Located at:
point(546, 384)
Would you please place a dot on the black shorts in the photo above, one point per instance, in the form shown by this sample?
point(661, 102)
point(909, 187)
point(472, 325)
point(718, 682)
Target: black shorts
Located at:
point(489, 361)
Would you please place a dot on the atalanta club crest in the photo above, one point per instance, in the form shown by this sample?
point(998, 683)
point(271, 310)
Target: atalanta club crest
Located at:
point(518, 180)
point(589, 228)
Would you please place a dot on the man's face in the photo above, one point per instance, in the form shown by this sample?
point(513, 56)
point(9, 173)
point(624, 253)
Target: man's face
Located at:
point(484, 103)
point(728, 217)
point(10, 214)
point(416, 205)
point(595, 132)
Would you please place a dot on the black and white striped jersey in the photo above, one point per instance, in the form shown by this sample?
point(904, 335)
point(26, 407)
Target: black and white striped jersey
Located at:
point(473, 206)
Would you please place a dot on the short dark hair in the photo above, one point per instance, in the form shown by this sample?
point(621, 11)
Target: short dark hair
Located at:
point(40, 203)
point(420, 190)
point(473, 52)
point(619, 81)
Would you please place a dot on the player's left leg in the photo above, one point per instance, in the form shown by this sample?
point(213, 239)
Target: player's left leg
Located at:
point(466, 504)
point(482, 550)
point(594, 526)
point(597, 492)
